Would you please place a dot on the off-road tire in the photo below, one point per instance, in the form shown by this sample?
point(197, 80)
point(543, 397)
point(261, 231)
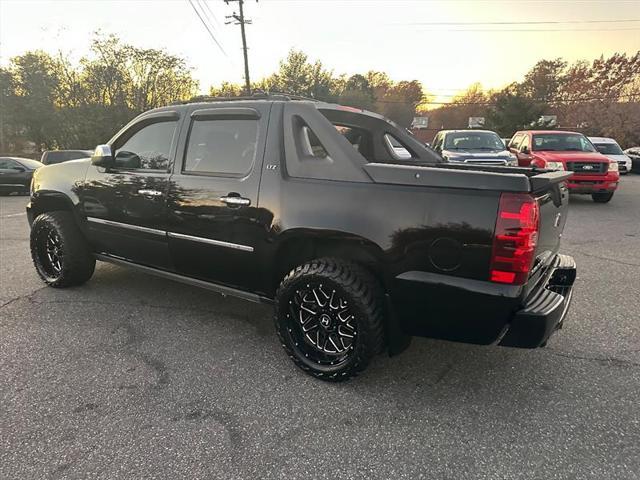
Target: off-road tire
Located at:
point(361, 292)
point(602, 197)
point(76, 262)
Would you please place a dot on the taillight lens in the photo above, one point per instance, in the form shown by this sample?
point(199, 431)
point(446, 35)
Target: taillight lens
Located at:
point(515, 238)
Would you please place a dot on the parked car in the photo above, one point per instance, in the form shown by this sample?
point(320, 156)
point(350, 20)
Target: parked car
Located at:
point(357, 248)
point(634, 155)
point(16, 173)
point(610, 149)
point(480, 147)
point(50, 157)
point(593, 173)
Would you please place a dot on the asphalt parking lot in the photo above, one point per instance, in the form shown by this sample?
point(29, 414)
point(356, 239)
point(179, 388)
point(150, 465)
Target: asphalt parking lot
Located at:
point(131, 376)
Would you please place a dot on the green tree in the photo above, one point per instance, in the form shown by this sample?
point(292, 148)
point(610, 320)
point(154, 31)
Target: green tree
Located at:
point(356, 92)
point(512, 111)
point(9, 127)
point(36, 86)
point(297, 76)
point(227, 89)
point(544, 81)
point(400, 100)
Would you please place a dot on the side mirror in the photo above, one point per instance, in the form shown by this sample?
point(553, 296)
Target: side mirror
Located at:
point(127, 160)
point(102, 157)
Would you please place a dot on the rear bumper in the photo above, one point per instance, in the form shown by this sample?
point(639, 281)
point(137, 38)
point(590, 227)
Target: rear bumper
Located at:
point(545, 309)
point(473, 311)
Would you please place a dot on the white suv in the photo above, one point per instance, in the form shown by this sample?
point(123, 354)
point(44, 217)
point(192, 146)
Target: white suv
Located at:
point(610, 149)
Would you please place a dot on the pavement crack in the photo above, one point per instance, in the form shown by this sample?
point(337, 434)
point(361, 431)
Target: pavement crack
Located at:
point(617, 362)
point(26, 296)
point(445, 371)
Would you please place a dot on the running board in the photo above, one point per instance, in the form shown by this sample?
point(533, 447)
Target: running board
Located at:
point(222, 289)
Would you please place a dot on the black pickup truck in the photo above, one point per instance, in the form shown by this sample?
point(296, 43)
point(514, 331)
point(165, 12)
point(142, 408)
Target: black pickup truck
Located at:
point(358, 234)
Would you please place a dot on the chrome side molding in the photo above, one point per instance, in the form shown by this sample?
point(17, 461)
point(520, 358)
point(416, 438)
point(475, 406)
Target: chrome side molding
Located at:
point(218, 243)
point(180, 236)
point(128, 226)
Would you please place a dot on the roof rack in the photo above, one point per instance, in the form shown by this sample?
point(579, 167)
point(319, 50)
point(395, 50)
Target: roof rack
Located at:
point(258, 95)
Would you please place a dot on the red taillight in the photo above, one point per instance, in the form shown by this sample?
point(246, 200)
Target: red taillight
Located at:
point(515, 238)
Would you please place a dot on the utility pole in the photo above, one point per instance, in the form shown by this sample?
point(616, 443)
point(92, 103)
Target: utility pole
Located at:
point(240, 20)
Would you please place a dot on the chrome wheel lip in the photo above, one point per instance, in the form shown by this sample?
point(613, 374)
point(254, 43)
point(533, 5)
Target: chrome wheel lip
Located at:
point(321, 324)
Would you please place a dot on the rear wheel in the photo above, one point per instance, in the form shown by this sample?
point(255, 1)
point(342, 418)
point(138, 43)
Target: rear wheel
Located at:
point(329, 317)
point(602, 197)
point(59, 251)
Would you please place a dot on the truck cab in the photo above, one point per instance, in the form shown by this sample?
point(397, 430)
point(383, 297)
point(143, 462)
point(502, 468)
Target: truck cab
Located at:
point(593, 173)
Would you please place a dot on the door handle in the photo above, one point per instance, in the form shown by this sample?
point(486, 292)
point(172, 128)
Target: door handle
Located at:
point(150, 193)
point(235, 201)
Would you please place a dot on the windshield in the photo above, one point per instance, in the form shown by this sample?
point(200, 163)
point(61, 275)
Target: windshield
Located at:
point(473, 141)
point(30, 163)
point(609, 148)
point(562, 142)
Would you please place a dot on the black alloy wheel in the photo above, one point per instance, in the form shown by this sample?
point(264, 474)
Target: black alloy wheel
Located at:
point(321, 323)
point(329, 316)
point(59, 251)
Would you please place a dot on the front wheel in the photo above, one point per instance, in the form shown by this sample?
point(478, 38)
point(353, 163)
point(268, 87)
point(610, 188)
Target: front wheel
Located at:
point(602, 197)
point(329, 317)
point(59, 251)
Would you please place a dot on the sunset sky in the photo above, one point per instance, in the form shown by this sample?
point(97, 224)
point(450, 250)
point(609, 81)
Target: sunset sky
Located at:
point(446, 45)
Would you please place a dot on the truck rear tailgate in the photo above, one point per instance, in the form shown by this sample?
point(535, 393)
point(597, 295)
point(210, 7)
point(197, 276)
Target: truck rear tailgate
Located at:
point(552, 196)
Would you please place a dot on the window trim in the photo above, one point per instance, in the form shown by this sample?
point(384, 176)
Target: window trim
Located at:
point(130, 130)
point(239, 113)
point(212, 115)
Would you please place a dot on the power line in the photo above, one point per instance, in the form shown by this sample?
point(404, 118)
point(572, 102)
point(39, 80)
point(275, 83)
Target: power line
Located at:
point(500, 30)
point(213, 15)
point(210, 21)
point(213, 37)
point(491, 104)
point(525, 22)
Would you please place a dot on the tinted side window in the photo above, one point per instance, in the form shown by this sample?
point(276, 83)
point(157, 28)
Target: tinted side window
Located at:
point(6, 163)
point(225, 147)
point(149, 148)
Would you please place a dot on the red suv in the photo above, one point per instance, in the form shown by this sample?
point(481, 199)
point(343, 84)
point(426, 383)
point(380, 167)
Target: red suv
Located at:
point(593, 173)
